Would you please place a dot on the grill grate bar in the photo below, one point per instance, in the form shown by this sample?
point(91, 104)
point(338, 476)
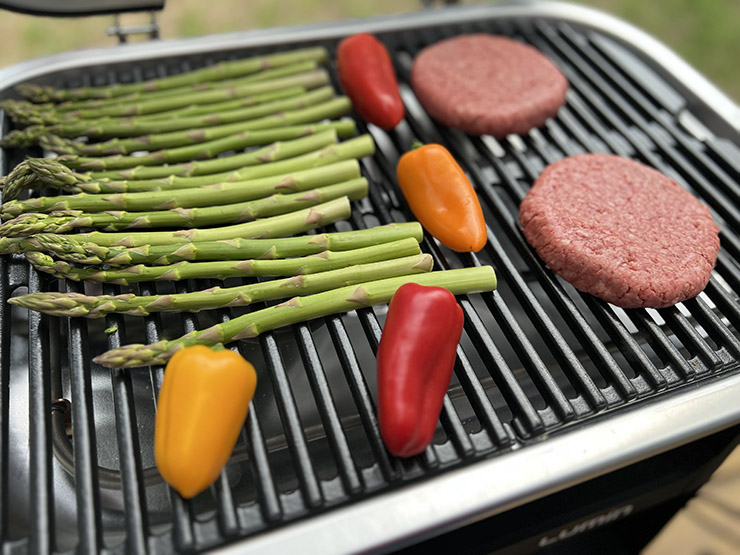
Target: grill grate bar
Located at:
point(476, 394)
point(571, 126)
point(129, 451)
point(728, 270)
point(327, 409)
point(450, 420)
point(269, 498)
point(591, 140)
point(663, 345)
point(228, 521)
point(690, 337)
point(39, 414)
point(226, 516)
point(527, 353)
point(83, 430)
point(525, 415)
point(184, 534)
point(557, 137)
point(628, 346)
point(292, 425)
point(361, 395)
point(722, 157)
point(712, 324)
point(729, 307)
point(718, 176)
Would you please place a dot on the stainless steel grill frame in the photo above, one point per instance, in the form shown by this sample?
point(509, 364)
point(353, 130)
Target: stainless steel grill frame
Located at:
point(551, 387)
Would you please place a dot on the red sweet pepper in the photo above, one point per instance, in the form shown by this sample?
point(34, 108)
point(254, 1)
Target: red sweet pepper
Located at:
point(366, 72)
point(416, 356)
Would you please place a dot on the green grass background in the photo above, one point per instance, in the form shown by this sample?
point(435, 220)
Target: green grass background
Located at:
point(706, 33)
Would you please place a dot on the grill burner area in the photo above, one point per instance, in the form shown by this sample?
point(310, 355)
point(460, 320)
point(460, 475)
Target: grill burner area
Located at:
point(538, 360)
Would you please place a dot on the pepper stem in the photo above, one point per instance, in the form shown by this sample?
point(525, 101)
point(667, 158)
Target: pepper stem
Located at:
point(416, 144)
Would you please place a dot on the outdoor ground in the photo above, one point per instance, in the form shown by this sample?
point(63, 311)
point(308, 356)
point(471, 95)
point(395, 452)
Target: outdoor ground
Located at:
point(704, 32)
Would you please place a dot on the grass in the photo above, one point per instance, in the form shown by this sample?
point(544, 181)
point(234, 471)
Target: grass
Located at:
point(703, 32)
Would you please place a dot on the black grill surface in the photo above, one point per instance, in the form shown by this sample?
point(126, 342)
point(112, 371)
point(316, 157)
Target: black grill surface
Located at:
point(536, 357)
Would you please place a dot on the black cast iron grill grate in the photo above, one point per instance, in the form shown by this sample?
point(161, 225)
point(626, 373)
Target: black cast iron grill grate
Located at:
point(536, 357)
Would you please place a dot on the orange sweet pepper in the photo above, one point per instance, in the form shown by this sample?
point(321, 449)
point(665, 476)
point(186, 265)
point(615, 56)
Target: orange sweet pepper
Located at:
point(442, 198)
point(201, 409)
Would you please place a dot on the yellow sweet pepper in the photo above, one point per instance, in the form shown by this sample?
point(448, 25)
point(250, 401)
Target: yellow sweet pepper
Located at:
point(201, 409)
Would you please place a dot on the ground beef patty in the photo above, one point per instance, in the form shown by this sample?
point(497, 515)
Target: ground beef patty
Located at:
point(487, 84)
point(621, 231)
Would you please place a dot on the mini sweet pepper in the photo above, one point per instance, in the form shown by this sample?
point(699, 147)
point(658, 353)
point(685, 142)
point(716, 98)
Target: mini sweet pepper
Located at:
point(441, 197)
point(201, 409)
point(416, 356)
point(366, 72)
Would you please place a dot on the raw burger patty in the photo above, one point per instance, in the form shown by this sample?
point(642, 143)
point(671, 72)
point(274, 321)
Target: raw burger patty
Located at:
point(487, 84)
point(620, 231)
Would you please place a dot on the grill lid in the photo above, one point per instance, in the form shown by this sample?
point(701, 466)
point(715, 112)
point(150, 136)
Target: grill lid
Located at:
point(73, 8)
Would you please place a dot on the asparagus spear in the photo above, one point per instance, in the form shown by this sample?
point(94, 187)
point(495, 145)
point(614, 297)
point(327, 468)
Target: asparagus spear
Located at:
point(266, 75)
point(308, 80)
point(234, 249)
point(206, 150)
point(279, 150)
point(216, 72)
point(331, 109)
point(50, 112)
point(276, 226)
point(40, 172)
point(135, 126)
point(226, 105)
point(183, 105)
point(207, 195)
point(20, 178)
point(88, 306)
point(64, 222)
point(17, 245)
point(323, 261)
point(25, 115)
point(54, 174)
point(299, 309)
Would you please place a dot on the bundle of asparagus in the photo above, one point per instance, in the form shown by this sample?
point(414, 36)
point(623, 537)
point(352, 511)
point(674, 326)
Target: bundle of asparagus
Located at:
point(145, 195)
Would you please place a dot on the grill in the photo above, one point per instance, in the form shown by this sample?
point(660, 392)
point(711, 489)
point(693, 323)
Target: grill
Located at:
point(566, 417)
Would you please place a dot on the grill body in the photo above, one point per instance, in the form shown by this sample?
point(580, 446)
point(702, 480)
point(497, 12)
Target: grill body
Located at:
point(553, 390)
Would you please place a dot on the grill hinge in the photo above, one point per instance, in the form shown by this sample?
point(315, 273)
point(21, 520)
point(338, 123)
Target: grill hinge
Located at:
point(124, 31)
